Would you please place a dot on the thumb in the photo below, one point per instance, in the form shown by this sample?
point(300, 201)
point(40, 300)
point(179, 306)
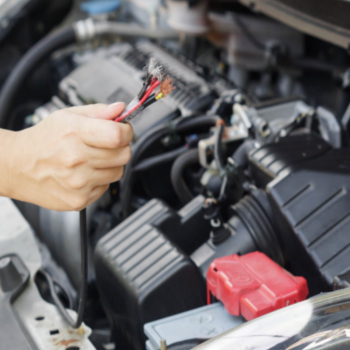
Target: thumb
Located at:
point(114, 110)
point(100, 111)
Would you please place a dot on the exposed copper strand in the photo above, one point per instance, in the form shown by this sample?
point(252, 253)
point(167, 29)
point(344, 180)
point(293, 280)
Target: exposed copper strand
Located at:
point(166, 86)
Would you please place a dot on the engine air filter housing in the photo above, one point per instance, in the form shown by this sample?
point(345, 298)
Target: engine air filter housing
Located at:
point(142, 276)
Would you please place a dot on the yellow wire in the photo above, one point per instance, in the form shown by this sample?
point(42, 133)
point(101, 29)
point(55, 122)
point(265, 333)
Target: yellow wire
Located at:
point(159, 96)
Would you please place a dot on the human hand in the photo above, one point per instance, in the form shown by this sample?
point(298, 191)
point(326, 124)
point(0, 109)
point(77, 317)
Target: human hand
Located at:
point(67, 161)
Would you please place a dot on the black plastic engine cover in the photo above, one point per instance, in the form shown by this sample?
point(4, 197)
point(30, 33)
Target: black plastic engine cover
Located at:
point(314, 201)
point(270, 160)
point(142, 276)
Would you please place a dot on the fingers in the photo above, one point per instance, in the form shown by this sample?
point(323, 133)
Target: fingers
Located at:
point(96, 193)
point(79, 201)
point(99, 111)
point(107, 176)
point(106, 134)
point(109, 158)
point(103, 134)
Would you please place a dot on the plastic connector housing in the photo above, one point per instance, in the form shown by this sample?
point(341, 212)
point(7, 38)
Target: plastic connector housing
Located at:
point(253, 285)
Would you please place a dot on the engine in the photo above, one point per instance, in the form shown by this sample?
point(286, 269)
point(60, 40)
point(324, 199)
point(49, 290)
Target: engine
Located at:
point(246, 160)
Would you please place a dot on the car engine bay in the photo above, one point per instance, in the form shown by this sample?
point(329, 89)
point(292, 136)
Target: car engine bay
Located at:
point(238, 181)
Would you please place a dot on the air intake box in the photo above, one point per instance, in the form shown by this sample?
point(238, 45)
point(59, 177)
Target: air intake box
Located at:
point(270, 160)
point(312, 209)
point(142, 276)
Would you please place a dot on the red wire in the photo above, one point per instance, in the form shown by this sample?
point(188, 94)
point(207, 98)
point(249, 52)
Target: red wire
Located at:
point(140, 103)
point(149, 91)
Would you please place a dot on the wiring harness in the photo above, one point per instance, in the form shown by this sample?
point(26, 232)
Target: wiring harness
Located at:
point(157, 85)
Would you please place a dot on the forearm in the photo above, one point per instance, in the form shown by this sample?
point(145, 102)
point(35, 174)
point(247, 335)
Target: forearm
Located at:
point(7, 141)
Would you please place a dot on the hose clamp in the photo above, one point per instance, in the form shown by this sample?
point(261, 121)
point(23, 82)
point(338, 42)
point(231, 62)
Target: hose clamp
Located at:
point(85, 30)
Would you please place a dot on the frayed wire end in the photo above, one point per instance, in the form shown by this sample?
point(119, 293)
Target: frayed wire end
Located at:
point(154, 69)
point(166, 86)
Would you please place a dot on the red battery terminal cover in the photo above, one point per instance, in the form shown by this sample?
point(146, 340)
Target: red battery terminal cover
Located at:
point(253, 285)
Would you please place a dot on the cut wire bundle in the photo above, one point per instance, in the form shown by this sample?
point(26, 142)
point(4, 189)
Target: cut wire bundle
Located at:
point(148, 95)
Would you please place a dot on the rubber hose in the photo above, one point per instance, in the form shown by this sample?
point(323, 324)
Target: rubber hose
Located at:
point(177, 170)
point(180, 125)
point(125, 29)
point(127, 181)
point(259, 225)
point(186, 124)
point(160, 159)
point(27, 65)
point(240, 156)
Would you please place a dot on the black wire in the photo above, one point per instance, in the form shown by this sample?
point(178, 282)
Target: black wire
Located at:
point(83, 278)
point(150, 101)
point(146, 84)
point(151, 97)
point(218, 153)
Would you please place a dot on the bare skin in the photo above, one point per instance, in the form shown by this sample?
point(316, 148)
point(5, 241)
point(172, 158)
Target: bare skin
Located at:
point(67, 161)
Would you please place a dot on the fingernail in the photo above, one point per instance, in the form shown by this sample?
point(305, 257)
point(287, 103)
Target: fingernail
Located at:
point(114, 105)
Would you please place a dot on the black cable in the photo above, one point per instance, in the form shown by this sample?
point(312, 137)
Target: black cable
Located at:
point(177, 170)
point(83, 278)
point(218, 152)
point(146, 84)
point(160, 159)
point(27, 65)
point(152, 99)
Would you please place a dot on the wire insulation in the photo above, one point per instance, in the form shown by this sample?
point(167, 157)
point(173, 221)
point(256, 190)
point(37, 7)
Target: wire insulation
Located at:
point(128, 113)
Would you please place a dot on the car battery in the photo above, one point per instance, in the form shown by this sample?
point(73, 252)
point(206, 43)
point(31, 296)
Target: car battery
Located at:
point(190, 328)
point(253, 285)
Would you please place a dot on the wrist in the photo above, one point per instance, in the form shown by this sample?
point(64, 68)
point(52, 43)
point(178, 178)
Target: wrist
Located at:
point(6, 162)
